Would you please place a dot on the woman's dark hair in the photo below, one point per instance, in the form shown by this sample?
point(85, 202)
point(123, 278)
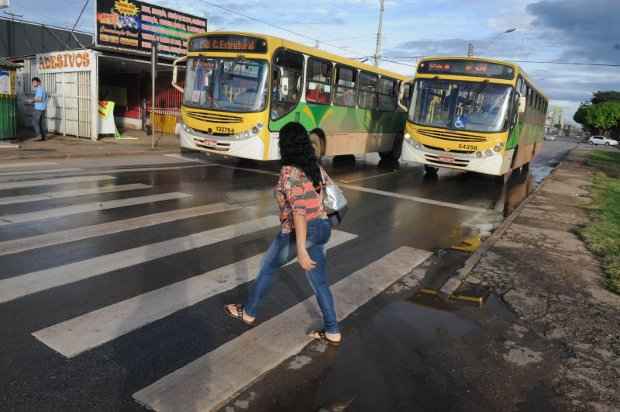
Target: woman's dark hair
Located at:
point(297, 150)
point(36, 79)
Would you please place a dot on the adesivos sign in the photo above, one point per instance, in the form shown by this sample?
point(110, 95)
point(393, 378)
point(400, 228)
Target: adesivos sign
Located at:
point(69, 61)
point(134, 25)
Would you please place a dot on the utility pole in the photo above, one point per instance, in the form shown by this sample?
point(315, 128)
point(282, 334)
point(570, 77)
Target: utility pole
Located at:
point(377, 56)
point(154, 52)
point(470, 50)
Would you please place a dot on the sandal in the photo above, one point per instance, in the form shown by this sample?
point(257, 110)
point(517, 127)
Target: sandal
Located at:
point(320, 335)
point(237, 313)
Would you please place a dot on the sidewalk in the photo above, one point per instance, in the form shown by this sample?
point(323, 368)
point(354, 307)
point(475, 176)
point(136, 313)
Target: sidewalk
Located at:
point(60, 147)
point(554, 284)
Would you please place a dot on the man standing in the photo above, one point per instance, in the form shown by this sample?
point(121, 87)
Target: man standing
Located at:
point(40, 105)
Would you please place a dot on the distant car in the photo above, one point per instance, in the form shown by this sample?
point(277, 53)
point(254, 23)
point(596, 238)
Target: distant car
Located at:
point(602, 140)
point(549, 137)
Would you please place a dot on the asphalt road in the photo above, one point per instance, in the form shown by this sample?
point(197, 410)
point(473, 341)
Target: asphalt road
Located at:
point(113, 272)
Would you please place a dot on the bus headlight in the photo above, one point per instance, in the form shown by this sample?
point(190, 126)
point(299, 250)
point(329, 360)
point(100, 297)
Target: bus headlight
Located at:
point(245, 134)
point(498, 147)
point(488, 153)
point(478, 154)
point(417, 146)
point(407, 136)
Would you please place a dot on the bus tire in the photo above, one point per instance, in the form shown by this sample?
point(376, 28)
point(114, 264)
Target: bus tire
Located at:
point(397, 150)
point(431, 170)
point(318, 143)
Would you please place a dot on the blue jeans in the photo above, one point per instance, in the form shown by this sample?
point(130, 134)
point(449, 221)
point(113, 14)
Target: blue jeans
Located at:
point(282, 250)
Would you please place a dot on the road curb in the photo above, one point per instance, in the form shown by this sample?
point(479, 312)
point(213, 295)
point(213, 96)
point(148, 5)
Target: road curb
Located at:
point(455, 282)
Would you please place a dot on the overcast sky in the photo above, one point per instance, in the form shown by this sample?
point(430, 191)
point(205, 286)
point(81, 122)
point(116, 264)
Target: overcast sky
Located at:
point(582, 31)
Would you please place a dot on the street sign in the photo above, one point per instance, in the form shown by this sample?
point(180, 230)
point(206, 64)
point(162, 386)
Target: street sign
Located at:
point(134, 26)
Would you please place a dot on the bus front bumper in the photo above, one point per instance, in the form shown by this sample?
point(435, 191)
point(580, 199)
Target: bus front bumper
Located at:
point(251, 147)
point(496, 164)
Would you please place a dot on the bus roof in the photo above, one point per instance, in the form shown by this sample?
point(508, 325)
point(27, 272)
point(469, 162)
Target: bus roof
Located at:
point(276, 42)
point(518, 69)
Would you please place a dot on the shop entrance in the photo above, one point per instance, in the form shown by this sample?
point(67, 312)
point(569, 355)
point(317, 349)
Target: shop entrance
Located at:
point(127, 82)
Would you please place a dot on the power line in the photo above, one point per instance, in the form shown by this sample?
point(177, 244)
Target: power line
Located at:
point(275, 26)
point(528, 61)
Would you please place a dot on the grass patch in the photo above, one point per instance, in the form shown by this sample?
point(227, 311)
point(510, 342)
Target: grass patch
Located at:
point(603, 234)
point(607, 161)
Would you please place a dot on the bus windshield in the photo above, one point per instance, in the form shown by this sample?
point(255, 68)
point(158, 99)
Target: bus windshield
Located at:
point(479, 107)
point(225, 84)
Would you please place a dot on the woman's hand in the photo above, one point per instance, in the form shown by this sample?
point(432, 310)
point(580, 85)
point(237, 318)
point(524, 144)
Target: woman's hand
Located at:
point(305, 261)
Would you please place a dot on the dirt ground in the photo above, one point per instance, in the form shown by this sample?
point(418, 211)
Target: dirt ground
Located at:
point(568, 324)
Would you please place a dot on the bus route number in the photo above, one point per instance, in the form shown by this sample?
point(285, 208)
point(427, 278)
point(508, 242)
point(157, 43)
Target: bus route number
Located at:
point(468, 147)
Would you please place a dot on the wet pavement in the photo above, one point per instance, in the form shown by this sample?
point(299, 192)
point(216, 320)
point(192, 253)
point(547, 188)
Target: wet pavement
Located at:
point(110, 243)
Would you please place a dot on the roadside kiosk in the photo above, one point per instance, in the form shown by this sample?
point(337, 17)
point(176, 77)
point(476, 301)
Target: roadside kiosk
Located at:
point(7, 99)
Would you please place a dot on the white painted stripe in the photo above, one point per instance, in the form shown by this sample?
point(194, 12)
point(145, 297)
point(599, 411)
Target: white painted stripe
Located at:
point(416, 199)
point(360, 179)
point(185, 158)
point(209, 381)
point(27, 164)
point(148, 169)
point(102, 229)
point(88, 207)
point(40, 172)
point(72, 193)
point(50, 182)
point(72, 337)
point(24, 285)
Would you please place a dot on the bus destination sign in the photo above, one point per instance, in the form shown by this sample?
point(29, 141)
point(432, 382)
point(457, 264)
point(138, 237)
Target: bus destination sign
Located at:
point(231, 43)
point(467, 68)
point(134, 25)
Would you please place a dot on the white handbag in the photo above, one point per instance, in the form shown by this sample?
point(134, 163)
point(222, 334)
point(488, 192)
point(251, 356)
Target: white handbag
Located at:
point(334, 201)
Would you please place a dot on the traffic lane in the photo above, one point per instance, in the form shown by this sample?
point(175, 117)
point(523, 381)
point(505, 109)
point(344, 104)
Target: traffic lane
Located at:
point(116, 370)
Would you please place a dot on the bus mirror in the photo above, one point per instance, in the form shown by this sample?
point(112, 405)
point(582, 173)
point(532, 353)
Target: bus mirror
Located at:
point(522, 104)
point(175, 70)
point(284, 86)
point(401, 96)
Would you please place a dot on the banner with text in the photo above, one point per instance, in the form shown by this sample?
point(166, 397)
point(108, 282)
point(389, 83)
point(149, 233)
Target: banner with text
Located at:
point(134, 25)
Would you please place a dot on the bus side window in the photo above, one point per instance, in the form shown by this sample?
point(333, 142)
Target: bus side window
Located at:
point(367, 97)
point(319, 81)
point(387, 94)
point(346, 80)
point(286, 82)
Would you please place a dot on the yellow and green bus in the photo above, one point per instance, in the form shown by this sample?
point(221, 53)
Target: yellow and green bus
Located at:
point(473, 114)
point(242, 88)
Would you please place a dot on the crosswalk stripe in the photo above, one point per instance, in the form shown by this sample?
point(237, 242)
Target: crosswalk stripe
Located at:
point(148, 169)
point(8, 247)
point(72, 193)
point(209, 381)
point(77, 335)
point(88, 207)
point(50, 182)
point(40, 172)
point(27, 164)
point(27, 284)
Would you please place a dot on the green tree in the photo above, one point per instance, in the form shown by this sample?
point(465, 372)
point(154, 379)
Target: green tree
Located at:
point(605, 116)
point(599, 117)
point(605, 96)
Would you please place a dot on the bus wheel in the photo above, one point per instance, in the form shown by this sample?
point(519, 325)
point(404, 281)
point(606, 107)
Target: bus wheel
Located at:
point(317, 143)
point(431, 170)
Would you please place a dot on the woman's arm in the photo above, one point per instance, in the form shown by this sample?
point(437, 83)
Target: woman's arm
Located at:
point(301, 230)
